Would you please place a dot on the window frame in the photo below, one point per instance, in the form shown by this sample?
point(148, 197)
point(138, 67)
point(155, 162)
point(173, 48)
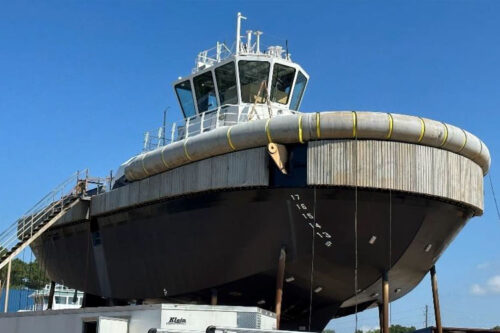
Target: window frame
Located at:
point(301, 97)
point(212, 73)
point(190, 80)
point(236, 77)
point(268, 79)
point(292, 86)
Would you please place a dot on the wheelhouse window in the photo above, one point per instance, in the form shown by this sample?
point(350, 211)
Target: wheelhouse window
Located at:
point(298, 91)
point(253, 80)
point(205, 92)
point(226, 83)
point(185, 96)
point(282, 83)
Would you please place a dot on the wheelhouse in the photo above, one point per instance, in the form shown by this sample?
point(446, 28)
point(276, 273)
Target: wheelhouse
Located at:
point(243, 80)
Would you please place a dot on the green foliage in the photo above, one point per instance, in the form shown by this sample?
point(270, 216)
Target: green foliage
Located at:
point(395, 329)
point(328, 330)
point(25, 275)
point(496, 328)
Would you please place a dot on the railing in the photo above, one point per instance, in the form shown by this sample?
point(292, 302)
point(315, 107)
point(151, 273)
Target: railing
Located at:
point(51, 204)
point(226, 115)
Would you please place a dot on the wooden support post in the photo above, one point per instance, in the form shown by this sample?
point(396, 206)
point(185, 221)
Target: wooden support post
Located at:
point(213, 298)
point(381, 316)
point(51, 295)
point(385, 302)
point(435, 298)
point(7, 286)
point(280, 276)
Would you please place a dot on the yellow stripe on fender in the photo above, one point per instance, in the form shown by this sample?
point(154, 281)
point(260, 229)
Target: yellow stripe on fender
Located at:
point(163, 157)
point(228, 134)
point(354, 124)
point(268, 132)
point(465, 142)
point(318, 129)
point(422, 130)
point(445, 135)
point(185, 150)
point(144, 167)
point(301, 139)
point(390, 126)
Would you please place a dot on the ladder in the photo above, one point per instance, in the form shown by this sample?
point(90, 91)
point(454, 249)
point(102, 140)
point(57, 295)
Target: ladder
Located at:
point(41, 217)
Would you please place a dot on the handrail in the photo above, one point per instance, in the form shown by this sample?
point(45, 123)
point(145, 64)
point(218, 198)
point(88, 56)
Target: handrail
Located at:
point(50, 204)
point(226, 115)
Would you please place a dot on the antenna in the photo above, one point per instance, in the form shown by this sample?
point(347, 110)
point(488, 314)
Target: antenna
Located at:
point(257, 40)
point(249, 40)
point(238, 31)
point(286, 46)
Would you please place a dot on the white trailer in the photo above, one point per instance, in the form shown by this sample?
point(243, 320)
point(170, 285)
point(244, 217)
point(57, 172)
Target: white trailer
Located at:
point(138, 319)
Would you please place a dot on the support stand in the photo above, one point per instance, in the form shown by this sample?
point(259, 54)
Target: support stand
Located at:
point(51, 295)
point(435, 298)
point(385, 303)
point(279, 285)
point(7, 287)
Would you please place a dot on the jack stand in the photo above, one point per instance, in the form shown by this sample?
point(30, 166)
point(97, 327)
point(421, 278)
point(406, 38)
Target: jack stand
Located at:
point(435, 298)
point(385, 303)
point(279, 285)
point(51, 295)
point(7, 286)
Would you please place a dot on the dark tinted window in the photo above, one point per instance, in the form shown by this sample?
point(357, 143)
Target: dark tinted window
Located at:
point(226, 83)
point(298, 91)
point(282, 83)
point(185, 96)
point(253, 78)
point(205, 92)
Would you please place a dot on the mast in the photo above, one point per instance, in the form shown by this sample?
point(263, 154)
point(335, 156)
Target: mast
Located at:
point(238, 31)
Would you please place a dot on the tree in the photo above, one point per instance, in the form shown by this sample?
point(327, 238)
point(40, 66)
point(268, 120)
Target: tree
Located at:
point(25, 275)
point(496, 328)
point(328, 330)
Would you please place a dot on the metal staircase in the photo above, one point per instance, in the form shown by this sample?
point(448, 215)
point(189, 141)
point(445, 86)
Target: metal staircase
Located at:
point(41, 217)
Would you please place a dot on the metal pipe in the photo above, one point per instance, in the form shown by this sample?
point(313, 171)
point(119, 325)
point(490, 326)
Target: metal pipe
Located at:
point(435, 299)
point(279, 285)
point(385, 300)
point(51, 295)
point(7, 287)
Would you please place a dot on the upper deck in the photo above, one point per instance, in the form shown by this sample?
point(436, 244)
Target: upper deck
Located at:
point(227, 87)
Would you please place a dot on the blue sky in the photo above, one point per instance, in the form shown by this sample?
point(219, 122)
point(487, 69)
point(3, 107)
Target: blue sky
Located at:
point(80, 81)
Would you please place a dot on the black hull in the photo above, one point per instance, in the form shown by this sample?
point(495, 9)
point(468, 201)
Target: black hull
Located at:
point(181, 249)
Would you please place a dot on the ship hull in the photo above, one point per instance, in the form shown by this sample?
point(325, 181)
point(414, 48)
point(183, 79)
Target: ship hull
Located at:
point(184, 249)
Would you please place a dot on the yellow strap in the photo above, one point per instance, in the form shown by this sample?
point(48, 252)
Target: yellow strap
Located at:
point(390, 126)
point(301, 140)
point(185, 150)
point(422, 130)
point(465, 142)
point(318, 128)
point(143, 167)
point(353, 124)
point(445, 135)
point(163, 158)
point(268, 132)
point(228, 134)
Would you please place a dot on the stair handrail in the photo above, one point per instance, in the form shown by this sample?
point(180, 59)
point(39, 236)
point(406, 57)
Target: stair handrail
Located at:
point(48, 204)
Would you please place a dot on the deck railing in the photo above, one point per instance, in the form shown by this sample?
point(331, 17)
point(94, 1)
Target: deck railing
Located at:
point(227, 115)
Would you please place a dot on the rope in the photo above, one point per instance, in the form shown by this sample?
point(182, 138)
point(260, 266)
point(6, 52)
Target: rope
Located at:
point(390, 250)
point(494, 197)
point(312, 261)
point(356, 234)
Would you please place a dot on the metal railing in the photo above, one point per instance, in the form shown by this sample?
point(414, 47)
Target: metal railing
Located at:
point(227, 115)
point(46, 208)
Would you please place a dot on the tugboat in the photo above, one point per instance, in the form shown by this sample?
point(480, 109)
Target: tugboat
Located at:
point(247, 193)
